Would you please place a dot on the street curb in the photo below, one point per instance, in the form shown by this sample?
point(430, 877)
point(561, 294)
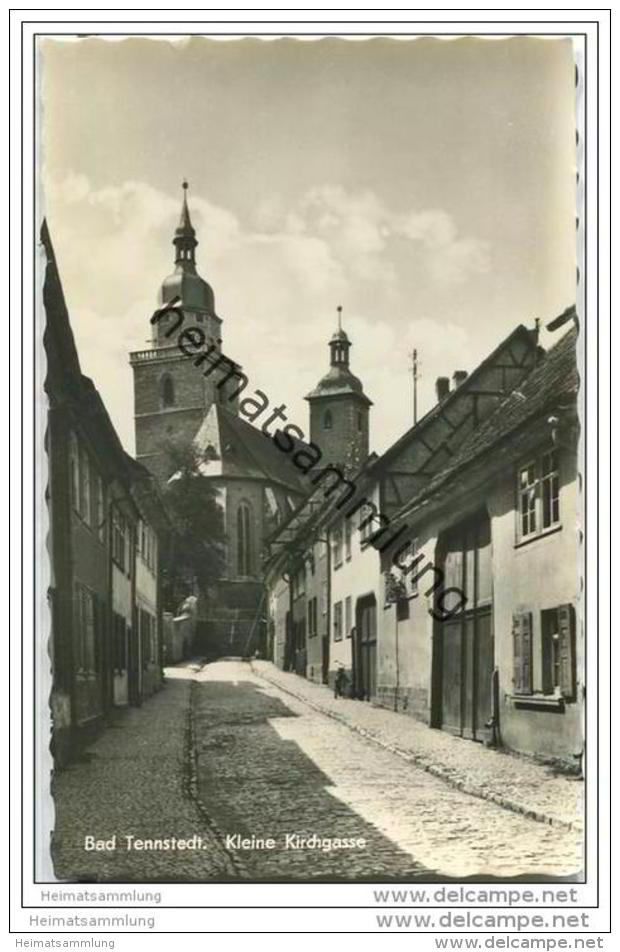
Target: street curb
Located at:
point(419, 761)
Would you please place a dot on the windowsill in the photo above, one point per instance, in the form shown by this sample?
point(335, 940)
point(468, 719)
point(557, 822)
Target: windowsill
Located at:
point(540, 535)
point(547, 702)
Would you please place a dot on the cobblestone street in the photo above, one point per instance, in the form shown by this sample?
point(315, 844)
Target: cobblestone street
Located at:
point(253, 760)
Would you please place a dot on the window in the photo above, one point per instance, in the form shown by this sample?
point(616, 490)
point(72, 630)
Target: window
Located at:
point(409, 559)
point(74, 471)
point(327, 420)
point(152, 540)
point(538, 489)
point(550, 490)
point(324, 598)
point(120, 541)
point(558, 651)
point(368, 514)
point(347, 617)
point(244, 540)
point(148, 637)
point(85, 486)
point(80, 474)
point(119, 643)
point(347, 539)
point(101, 521)
point(337, 547)
point(338, 621)
point(312, 617)
point(299, 582)
point(544, 661)
point(527, 500)
point(85, 629)
point(271, 504)
point(146, 544)
point(167, 391)
point(360, 424)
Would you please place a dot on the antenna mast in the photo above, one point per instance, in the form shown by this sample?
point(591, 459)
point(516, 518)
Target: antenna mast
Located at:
point(414, 374)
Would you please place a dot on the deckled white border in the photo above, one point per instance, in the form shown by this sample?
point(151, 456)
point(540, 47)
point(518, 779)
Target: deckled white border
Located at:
point(354, 894)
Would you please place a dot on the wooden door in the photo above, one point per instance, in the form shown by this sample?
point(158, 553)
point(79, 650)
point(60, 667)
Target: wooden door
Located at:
point(464, 651)
point(451, 681)
point(484, 665)
point(367, 629)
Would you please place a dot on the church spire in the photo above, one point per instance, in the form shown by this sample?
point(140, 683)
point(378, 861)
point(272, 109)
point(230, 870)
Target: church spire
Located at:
point(185, 238)
point(339, 344)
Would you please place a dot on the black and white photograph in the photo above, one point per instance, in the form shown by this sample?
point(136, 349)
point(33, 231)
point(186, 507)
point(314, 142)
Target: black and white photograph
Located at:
point(312, 388)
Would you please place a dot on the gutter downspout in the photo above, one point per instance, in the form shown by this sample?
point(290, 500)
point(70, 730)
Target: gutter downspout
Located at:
point(397, 686)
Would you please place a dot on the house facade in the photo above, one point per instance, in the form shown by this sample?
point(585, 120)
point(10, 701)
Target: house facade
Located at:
point(451, 586)
point(490, 642)
point(94, 502)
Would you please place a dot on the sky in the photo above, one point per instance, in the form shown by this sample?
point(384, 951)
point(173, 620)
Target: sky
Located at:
point(426, 185)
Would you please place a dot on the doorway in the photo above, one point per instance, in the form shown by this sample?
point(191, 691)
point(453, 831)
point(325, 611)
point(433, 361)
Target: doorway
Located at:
point(463, 646)
point(365, 638)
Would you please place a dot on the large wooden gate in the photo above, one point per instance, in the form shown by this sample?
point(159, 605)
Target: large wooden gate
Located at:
point(463, 657)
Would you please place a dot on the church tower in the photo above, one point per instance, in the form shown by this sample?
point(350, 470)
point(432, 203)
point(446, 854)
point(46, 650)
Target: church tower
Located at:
point(339, 408)
point(171, 395)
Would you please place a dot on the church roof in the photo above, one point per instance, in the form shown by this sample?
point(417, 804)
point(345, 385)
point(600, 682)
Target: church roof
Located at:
point(230, 446)
point(194, 292)
point(339, 381)
point(185, 283)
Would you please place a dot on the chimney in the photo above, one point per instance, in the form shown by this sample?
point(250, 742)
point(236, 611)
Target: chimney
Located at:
point(442, 386)
point(458, 377)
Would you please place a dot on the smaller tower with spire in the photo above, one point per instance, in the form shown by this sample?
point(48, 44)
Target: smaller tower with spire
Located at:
point(339, 408)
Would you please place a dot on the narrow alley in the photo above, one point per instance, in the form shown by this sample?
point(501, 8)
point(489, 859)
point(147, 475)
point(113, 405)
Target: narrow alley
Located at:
point(274, 789)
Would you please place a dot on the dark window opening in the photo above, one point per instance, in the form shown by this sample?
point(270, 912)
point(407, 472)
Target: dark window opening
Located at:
point(167, 391)
point(244, 540)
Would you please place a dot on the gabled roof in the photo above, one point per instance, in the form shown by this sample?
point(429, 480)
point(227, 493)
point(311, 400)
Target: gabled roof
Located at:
point(63, 364)
point(315, 509)
point(552, 383)
point(519, 333)
point(65, 381)
point(230, 446)
point(147, 494)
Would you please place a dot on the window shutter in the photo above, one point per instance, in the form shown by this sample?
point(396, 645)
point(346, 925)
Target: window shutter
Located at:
point(547, 652)
point(522, 652)
point(566, 625)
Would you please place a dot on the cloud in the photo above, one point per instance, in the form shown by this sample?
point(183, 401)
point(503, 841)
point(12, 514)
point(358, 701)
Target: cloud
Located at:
point(277, 282)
